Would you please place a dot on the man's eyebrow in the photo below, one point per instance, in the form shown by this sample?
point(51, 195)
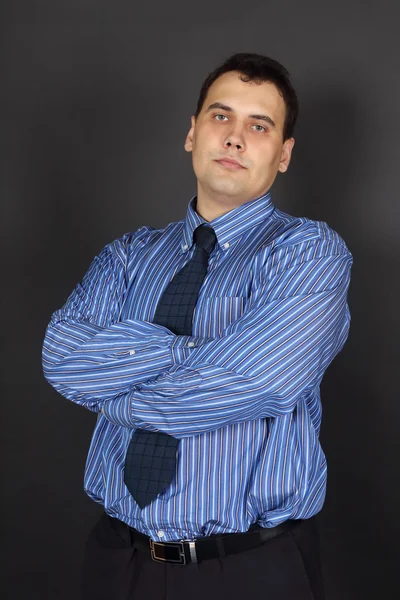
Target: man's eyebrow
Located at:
point(229, 109)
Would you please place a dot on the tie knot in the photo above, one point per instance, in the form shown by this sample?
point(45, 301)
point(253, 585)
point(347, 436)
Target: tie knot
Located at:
point(204, 237)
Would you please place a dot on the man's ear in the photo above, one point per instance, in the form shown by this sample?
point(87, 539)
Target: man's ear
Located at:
point(189, 137)
point(286, 155)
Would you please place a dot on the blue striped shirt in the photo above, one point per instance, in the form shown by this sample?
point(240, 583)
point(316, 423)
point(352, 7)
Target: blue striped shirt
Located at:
point(242, 393)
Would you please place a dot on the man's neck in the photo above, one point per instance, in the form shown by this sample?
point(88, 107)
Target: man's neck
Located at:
point(210, 209)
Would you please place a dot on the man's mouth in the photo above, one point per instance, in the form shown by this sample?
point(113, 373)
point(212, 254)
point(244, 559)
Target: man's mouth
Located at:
point(233, 165)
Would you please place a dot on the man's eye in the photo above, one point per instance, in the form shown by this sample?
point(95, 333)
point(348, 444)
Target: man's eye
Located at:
point(225, 117)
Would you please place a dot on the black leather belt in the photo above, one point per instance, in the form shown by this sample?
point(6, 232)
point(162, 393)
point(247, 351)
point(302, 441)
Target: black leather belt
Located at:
point(213, 546)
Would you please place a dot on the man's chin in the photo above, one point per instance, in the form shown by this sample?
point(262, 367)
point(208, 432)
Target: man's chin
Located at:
point(225, 188)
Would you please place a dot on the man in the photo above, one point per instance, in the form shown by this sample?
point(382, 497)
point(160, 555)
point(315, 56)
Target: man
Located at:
point(201, 347)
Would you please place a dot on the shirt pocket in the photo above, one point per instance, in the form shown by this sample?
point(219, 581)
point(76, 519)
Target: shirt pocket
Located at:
point(214, 314)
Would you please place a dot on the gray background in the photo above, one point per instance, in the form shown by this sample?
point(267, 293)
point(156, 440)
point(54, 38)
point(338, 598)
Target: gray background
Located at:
point(96, 99)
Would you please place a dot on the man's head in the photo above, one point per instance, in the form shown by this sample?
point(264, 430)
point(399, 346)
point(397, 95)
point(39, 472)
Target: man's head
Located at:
point(247, 110)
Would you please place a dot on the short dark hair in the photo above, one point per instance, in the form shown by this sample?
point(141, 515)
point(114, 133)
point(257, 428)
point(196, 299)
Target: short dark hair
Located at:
point(258, 68)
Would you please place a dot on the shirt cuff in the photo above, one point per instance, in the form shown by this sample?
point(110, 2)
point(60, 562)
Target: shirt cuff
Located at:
point(118, 410)
point(183, 345)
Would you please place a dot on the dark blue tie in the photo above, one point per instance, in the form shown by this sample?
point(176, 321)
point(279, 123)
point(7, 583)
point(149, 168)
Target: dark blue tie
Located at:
point(150, 461)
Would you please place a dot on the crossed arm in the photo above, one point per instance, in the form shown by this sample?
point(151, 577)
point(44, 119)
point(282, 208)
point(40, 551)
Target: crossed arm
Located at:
point(139, 374)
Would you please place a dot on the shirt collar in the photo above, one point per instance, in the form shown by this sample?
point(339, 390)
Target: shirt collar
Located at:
point(229, 226)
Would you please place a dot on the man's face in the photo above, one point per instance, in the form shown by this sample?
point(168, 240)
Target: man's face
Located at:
point(238, 131)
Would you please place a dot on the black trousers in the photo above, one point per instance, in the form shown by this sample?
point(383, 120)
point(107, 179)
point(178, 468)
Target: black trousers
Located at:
point(286, 567)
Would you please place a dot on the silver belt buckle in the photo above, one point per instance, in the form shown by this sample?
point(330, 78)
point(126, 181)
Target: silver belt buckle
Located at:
point(178, 546)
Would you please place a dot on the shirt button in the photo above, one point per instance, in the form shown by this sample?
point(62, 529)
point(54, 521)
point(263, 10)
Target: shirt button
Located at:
point(226, 245)
point(160, 533)
point(191, 344)
point(185, 247)
point(131, 352)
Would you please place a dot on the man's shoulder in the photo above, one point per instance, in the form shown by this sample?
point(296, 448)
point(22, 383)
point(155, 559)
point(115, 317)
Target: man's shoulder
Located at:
point(290, 231)
point(144, 235)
